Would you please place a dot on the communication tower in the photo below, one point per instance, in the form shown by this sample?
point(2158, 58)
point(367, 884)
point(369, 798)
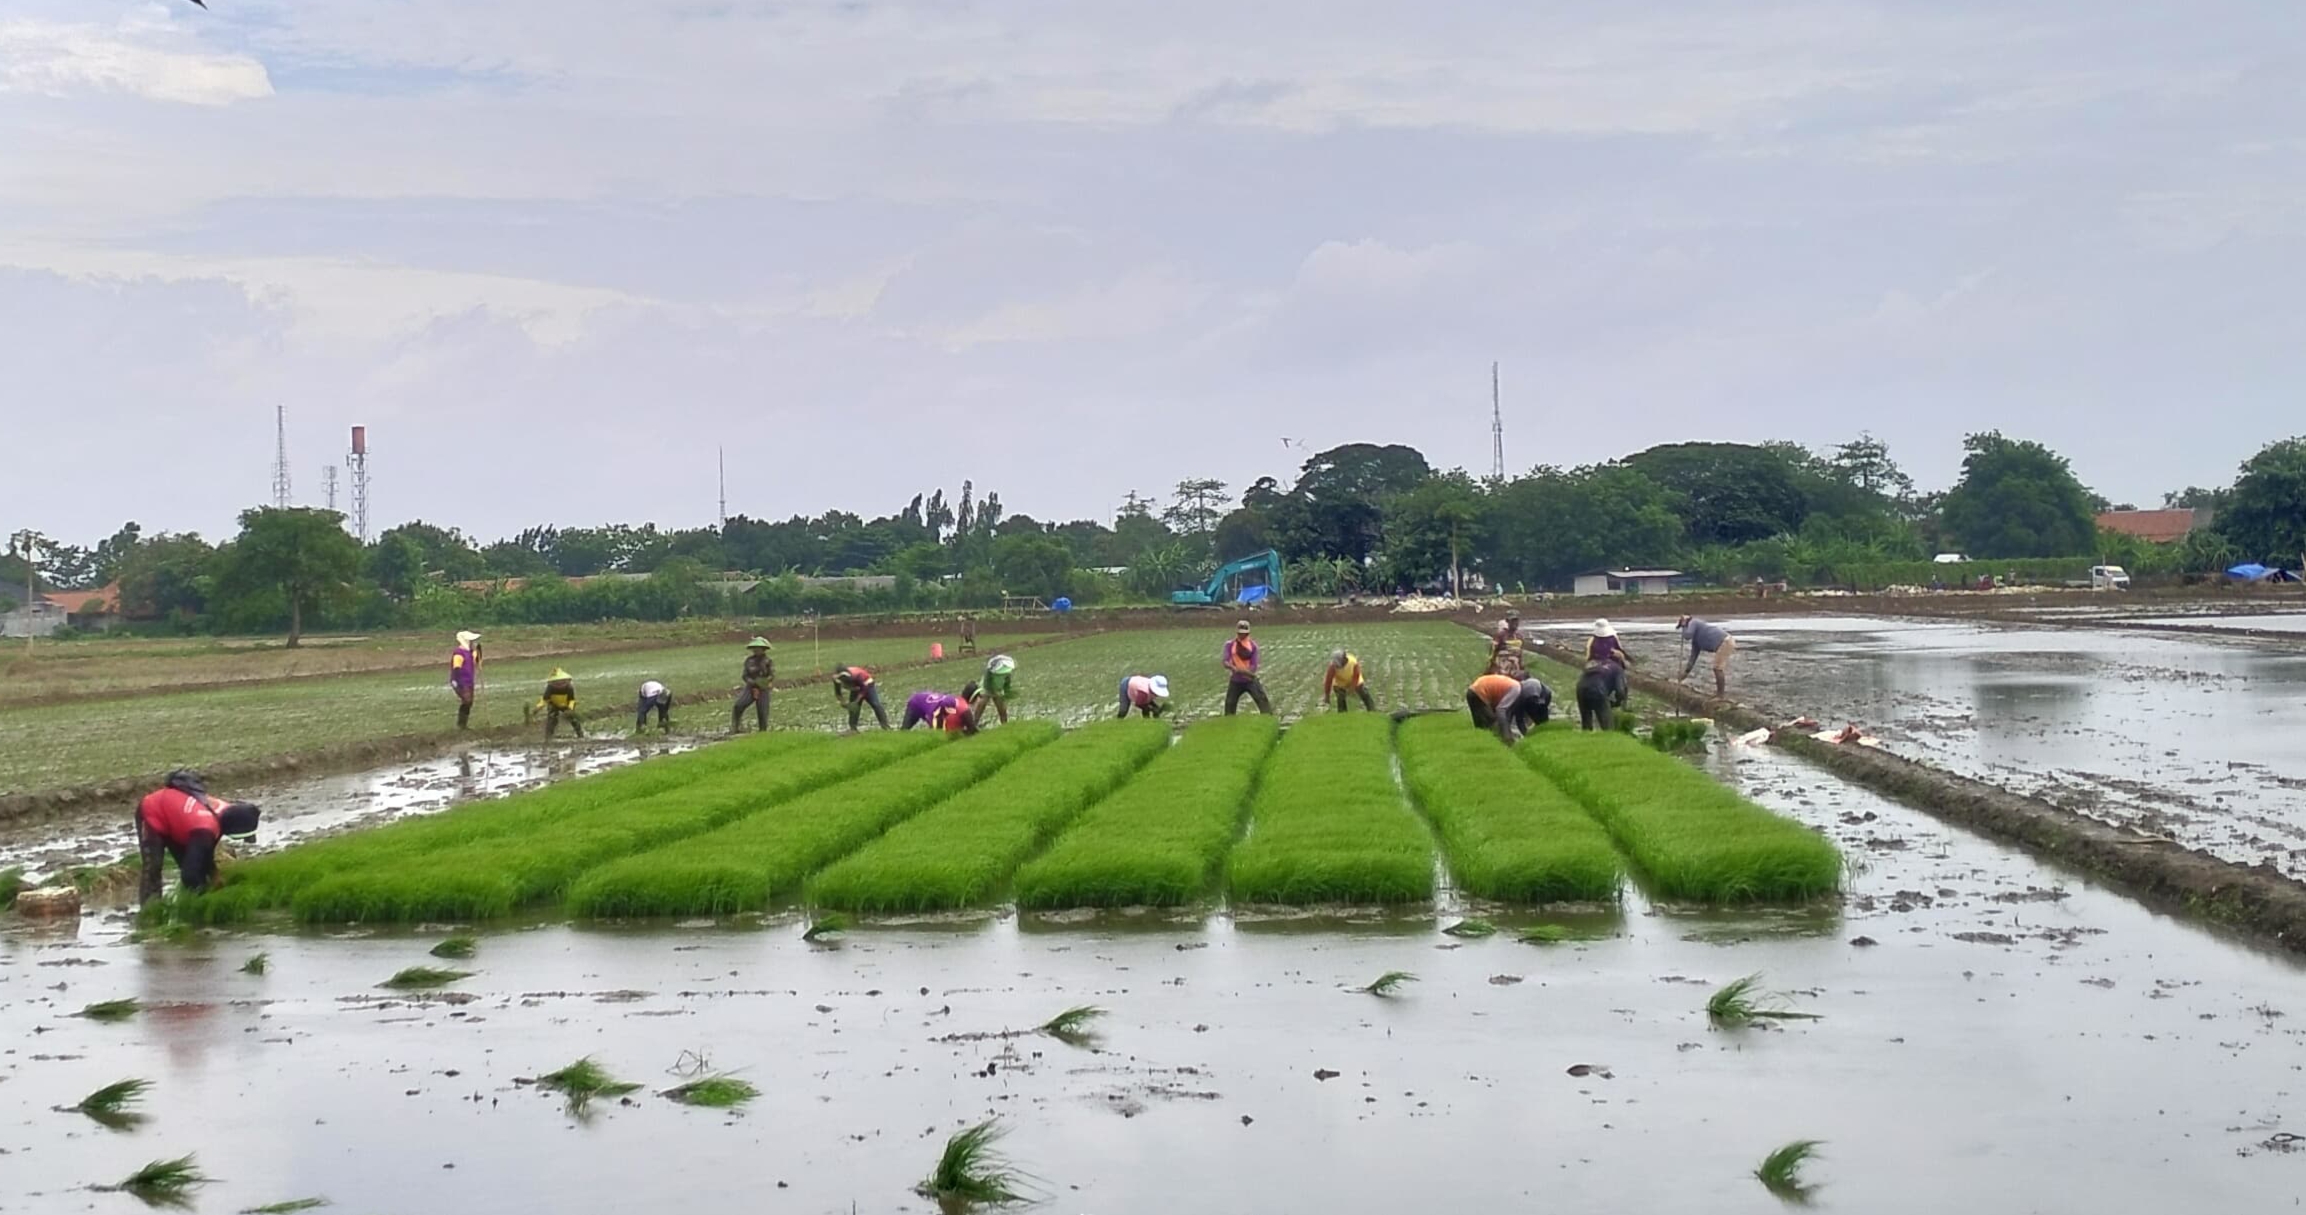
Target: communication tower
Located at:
point(328, 484)
point(356, 463)
point(1496, 428)
point(280, 488)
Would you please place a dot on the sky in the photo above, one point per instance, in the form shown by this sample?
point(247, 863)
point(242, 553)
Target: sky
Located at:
point(557, 254)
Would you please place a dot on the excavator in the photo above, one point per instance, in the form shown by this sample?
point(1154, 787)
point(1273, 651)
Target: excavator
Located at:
point(1251, 590)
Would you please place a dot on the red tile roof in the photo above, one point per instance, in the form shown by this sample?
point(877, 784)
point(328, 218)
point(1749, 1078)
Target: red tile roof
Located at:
point(105, 599)
point(2159, 526)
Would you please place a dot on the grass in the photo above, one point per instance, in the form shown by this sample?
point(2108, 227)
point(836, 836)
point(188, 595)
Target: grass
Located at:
point(745, 864)
point(582, 1081)
point(1690, 837)
point(1781, 1171)
point(11, 881)
point(1471, 929)
point(970, 1172)
point(112, 1010)
point(111, 1105)
point(830, 924)
point(1159, 839)
point(1074, 1025)
point(713, 1092)
point(460, 946)
point(164, 1183)
point(1507, 833)
point(290, 1207)
point(417, 978)
point(964, 850)
point(256, 964)
point(1387, 984)
point(1741, 1002)
point(1329, 825)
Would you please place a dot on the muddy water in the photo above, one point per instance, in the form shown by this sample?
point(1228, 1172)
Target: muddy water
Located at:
point(2016, 1041)
point(2198, 739)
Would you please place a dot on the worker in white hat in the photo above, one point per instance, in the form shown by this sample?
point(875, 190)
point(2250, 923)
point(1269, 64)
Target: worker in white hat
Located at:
point(463, 669)
point(1148, 694)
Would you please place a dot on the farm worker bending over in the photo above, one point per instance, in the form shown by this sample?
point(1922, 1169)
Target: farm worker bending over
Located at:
point(1711, 639)
point(853, 689)
point(1240, 659)
point(1507, 705)
point(1000, 684)
point(1148, 694)
point(760, 671)
point(656, 696)
point(941, 710)
point(558, 701)
point(181, 820)
point(1345, 677)
point(463, 668)
point(1505, 645)
point(1596, 695)
point(1603, 649)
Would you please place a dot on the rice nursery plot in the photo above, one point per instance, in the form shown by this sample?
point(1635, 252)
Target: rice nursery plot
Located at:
point(1160, 839)
point(964, 850)
point(1507, 833)
point(1329, 825)
point(742, 866)
point(496, 876)
point(1689, 836)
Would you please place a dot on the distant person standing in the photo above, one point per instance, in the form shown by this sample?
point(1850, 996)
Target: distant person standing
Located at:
point(1604, 650)
point(1505, 642)
point(658, 697)
point(1706, 639)
point(1148, 694)
point(999, 686)
point(755, 683)
point(1345, 677)
point(559, 700)
point(854, 689)
point(181, 820)
point(1241, 660)
point(463, 672)
point(969, 637)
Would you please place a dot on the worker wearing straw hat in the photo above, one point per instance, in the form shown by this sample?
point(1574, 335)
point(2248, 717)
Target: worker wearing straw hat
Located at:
point(756, 682)
point(463, 670)
point(1240, 659)
point(559, 700)
point(1148, 694)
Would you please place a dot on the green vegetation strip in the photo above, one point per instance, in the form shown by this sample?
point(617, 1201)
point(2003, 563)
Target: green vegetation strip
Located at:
point(964, 849)
point(1159, 840)
point(745, 864)
point(1508, 833)
point(1330, 825)
point(1689, 836)
point(496, 876)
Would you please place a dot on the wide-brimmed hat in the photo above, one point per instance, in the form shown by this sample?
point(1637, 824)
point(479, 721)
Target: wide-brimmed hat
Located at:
point(1161, 686)
point(1603, 628)
point(467, 637)
point(559, 673)
point(759, 643)
point(1240, 626)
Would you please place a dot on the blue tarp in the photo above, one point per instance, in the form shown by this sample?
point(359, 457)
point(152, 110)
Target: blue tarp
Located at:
point(1251, 594)
point(1062, 604)
point(2249, 571)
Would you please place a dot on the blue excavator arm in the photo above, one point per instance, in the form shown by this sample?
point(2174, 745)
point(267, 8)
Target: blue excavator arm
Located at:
point(1267, 562)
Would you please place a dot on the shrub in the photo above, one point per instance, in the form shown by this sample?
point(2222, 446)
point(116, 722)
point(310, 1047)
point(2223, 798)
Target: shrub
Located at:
point(1330, 825)
point(1507, 833)
point(964, 849)
point(1159, 839)
point(1689, 836)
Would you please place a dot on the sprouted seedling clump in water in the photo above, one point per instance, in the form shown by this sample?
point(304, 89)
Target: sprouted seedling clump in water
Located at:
point(582, 1081)
point(1072, 1026)
point(256, 964)
point(1471, 928)
point(112, 1010)
point(163, 1182)
point(459, 946)
point(111, 1104)
point(1741, 1002)
point(713, 1092)
point(830, 924)
point(970, 1173)
point(416, 977)
point(1388, 983)
point(1781, 1171)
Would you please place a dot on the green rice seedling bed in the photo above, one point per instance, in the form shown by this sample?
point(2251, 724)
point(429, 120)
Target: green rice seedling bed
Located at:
point(1507, 833)
point(744, 865)
point(964, 850)
point(1158, 840)
point(498, 875)
point(1689, 836)
point(1329, 824)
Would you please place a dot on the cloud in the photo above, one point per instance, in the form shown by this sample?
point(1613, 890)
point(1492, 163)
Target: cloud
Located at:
point(141, 59)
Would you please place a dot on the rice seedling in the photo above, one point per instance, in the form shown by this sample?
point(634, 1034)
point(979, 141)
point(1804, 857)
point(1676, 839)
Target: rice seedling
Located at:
point(971, 1173)
point(287, 1208)
point(1159, 839)
point(1471, 929)
point(1329, 825)
point(1781, 1171)
point(1073, 1027)
point(11, 881)
point(256, 964)
point(462, 945)
point(111, 1105)
point(112, 1010)
point(582, 1081)
point(1678, 734)
point(1741, 1002)
point(713, 1092)
point(743, 865)
point(1554, 934)
point(963, 850)
point(163, 1183)
point(1507, 833)
point(830, 924)
point(416, 978)
point(1689, 836)
point(1387, 984)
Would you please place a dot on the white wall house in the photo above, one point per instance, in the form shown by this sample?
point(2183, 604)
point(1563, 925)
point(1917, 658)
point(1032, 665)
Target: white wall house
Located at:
point(1625, 582)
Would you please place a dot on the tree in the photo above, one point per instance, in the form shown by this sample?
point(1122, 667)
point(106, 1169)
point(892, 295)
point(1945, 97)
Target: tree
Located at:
point(1199, 505)
point(1728, 493)
point(166, 576)
point(2194, 497)
point(395, 563)
point(2265, 516)
point(1550, 526)
point(1430, 529)
point(112, 552)
point(2017, 498)
point(301, 553)
point(1865, 462)
point(1241, 533)
point(1365, 471)
point(1033, 565)
point(442, 550)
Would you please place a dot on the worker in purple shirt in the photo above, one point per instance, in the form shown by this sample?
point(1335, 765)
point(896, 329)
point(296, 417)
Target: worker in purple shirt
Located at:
point(941, 710)
point(1240, 659)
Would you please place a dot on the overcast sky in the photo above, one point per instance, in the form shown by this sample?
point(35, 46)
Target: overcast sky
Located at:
point(554, 252)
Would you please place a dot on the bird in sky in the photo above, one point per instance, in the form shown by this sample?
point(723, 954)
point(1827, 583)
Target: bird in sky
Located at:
point(202, 3)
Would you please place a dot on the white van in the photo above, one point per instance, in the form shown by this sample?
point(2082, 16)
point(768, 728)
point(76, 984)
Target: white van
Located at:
point(1950, 559)
point(2109, 578)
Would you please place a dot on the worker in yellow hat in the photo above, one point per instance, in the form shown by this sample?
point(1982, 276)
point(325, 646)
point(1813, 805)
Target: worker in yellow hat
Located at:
point(559, 700)
point(758, 679)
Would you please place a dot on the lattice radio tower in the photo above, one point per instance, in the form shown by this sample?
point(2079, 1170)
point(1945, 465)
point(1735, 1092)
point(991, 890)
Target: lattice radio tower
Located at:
point(356, 463)
point(1496, 428)
point(328, 484)
point(280, 486)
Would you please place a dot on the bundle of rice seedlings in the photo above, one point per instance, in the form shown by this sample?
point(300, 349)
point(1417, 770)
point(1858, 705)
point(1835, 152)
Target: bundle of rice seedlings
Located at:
point(1329, 825)
point(971, 1173)
point(112, 1010)
point(1073, 1026)
point(111, 1105)
point(1159, 839)
point(286, 1208)
point(963, 850)
point(163, 1183)
point(11, 881)
point(462, 945)
point(418, 977)
point(713, 1092)
point(256, 964)
point(747, 863)
point(1471, 929)
point(1677, 734)
point(830, 924)
point(1742, 1002)
point(1387, 984)
point(1781, 1171)
point(582, 1081)
point(1690, 837)
point(1508, 834)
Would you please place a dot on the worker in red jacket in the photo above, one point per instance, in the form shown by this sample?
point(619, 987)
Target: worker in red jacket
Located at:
point(183, 821)
point(855, 689)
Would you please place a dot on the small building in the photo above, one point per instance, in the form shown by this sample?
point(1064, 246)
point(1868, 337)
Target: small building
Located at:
point(1625, 582)
point(2157, 526)
point(41, 619)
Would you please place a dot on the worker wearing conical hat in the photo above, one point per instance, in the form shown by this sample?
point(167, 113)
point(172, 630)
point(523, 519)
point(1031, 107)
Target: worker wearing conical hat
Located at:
point(756, 682)
point(463, 670)
point(559, 700)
